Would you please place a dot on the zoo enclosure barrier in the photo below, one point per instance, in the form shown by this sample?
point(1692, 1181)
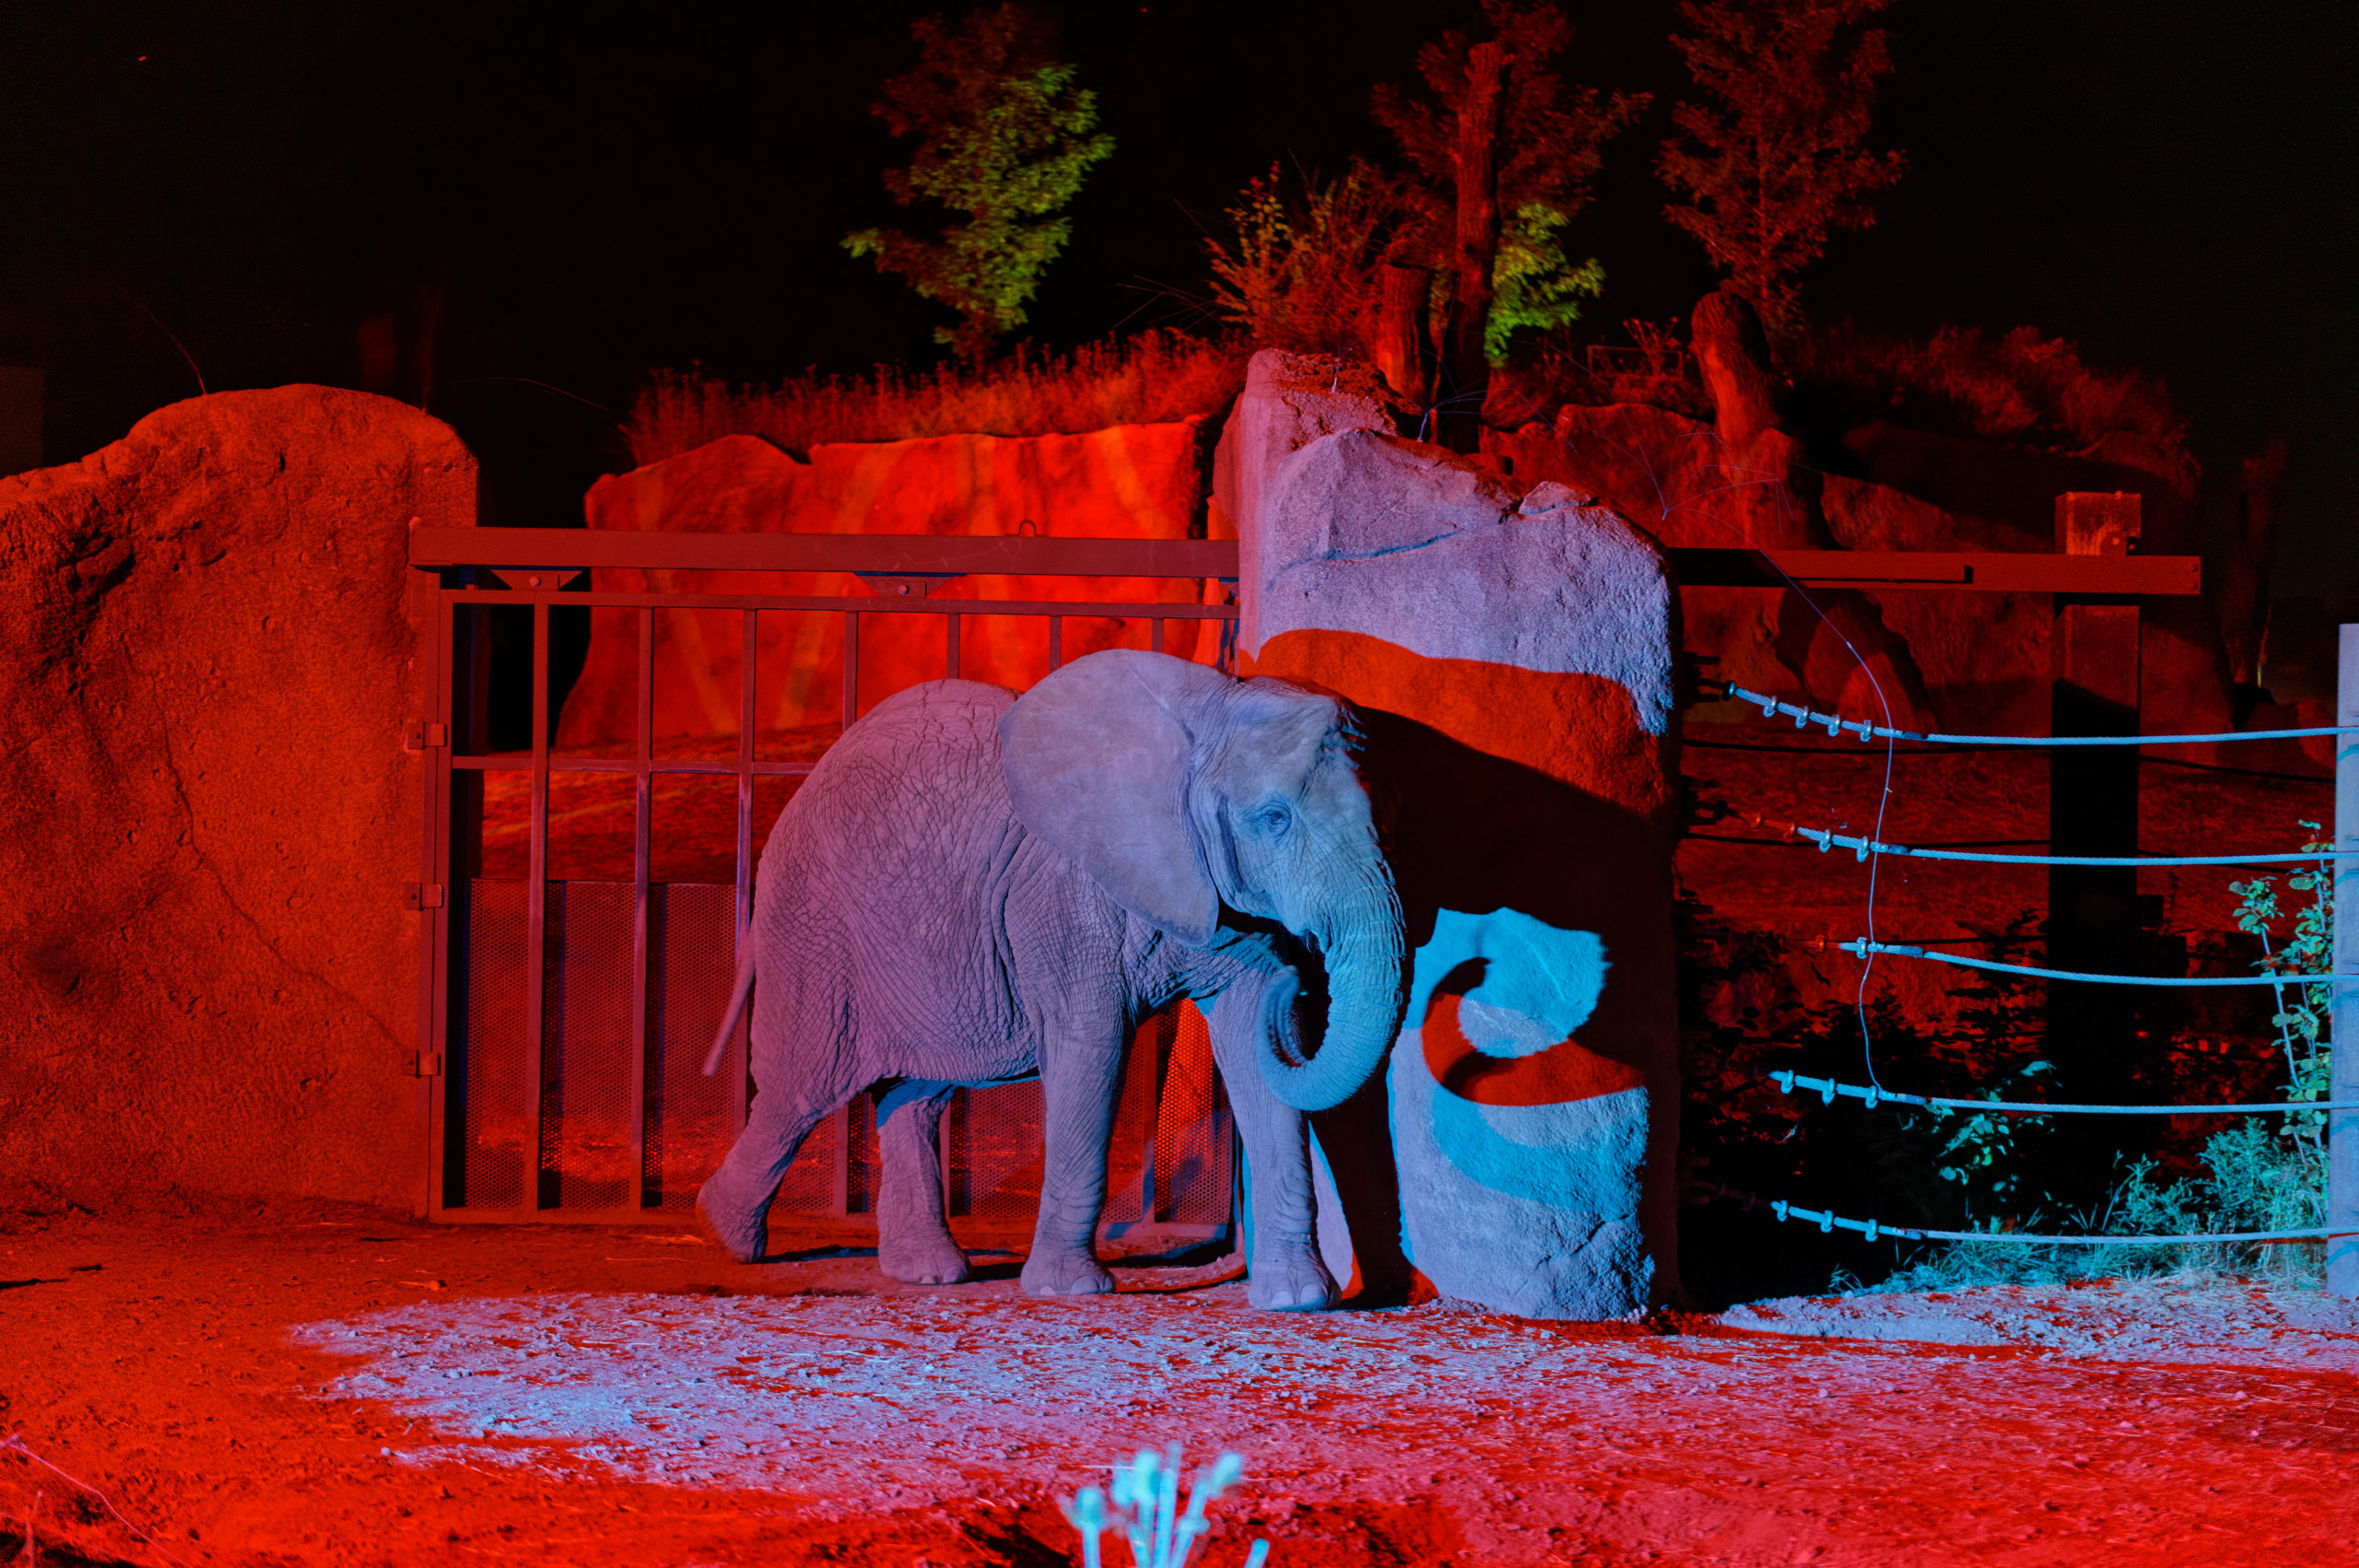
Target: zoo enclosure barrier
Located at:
point(565, 1015)
point(2340, 864)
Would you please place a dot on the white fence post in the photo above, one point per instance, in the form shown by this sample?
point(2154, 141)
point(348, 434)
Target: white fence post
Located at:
point(2342, 1126)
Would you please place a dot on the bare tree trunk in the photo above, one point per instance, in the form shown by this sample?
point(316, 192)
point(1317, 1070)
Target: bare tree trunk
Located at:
point(1466, 376)
point(2244, 589)
point(1401, 332)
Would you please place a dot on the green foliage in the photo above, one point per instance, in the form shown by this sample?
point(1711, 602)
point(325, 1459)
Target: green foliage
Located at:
point(1534, 287)
point(2265, 1173)
point(1979, 1156)
point(1301, 271)
point(1004, 139)
point(1774, 160)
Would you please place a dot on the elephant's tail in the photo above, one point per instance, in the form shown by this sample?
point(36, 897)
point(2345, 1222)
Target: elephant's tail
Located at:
point(737, 994)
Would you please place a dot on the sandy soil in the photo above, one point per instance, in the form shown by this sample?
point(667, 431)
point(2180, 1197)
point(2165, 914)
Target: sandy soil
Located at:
point(333, 1387)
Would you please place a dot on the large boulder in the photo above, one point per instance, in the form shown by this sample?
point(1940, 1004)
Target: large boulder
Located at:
point(1509, 653)
point(211, 654)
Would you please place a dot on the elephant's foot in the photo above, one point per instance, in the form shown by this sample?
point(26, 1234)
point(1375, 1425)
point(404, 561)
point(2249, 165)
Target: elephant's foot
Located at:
point(1066, 1274)
point(744, 1235)
point(930, 1260)
point(1292, 1279)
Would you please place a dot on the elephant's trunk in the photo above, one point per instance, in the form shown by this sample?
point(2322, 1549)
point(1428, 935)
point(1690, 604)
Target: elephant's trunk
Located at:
point(1361, 939)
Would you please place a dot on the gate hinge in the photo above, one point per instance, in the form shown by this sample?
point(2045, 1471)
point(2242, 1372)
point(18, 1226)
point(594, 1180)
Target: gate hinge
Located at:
point(421, 895)
point(419, 735)
point(425, 1064)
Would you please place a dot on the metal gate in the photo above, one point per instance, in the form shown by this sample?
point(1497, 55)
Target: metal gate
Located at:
point(579, 905)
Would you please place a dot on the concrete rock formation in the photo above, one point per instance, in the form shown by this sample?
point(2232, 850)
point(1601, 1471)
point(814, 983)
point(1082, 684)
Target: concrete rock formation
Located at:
point(211, 656)
point(1130, 482)
point(1509, 654)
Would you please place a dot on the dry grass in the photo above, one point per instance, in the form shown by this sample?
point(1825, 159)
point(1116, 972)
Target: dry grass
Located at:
point(1154, 377)
point(2021, 387)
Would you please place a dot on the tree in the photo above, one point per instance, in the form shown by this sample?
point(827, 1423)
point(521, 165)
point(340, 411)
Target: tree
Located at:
point(1777, 160)
point(1003, 138)
point(1498, 141)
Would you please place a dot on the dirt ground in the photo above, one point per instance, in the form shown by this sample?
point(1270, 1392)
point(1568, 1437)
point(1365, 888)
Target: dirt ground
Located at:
point(332, 1386)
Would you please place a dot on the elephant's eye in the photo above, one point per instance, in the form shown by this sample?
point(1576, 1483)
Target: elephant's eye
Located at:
point(1269, 820)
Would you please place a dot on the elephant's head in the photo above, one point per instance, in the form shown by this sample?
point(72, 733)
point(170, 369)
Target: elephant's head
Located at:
point(1181, 792)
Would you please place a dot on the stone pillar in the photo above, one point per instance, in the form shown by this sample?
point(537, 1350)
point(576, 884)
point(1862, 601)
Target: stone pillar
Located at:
point(211, 654)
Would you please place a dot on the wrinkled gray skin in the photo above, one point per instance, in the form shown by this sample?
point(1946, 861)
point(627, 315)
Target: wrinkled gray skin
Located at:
point(974, 887)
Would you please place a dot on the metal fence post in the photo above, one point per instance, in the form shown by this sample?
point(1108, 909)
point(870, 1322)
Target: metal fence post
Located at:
point(2342, 1126)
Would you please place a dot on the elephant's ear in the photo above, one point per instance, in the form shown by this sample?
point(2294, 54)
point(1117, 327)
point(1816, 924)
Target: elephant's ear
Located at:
point(1096, 759)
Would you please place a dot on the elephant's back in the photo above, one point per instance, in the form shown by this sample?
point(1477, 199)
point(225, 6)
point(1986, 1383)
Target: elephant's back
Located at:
point(906, 785)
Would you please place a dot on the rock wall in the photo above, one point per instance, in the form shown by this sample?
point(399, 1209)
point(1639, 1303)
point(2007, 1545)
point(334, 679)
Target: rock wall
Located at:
point(1510, 657)
point(210, 656)
point(1130, 482)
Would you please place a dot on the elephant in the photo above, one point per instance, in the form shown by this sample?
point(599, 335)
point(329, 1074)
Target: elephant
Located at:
point(974, 887)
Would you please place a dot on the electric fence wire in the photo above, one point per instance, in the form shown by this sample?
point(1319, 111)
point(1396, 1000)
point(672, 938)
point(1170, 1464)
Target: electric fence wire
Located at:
point(1861, 847)
point(1827, 1089)
point(1826, 1220)
point(1863, 946)
point(1836, 724)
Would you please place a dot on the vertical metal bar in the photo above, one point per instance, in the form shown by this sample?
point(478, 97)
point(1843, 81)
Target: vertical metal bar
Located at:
point(536, 891)
point(941, 1149)
point(749, 640)
point(1056, 641)
point(851, 667)
point(2342, 1126)
point(842, 1124)
point(433, 933)
point(1155, 636)
point(641, 857)
point(952, 621)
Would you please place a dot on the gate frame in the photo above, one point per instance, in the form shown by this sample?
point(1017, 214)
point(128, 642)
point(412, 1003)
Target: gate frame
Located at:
point(534, 568)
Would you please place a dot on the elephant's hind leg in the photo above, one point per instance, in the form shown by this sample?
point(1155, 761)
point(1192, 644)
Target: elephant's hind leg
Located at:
point(734, 1203)
point(913, 1243)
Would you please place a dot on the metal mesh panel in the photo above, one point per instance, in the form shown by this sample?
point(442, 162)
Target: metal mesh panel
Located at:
point(690, 965)
point(586, 1110)
point(1001, 1178)
point(860, 1184)
point(1129, 1158)
point(492, 1123)
point(1192, 1139)
point(810, 1184)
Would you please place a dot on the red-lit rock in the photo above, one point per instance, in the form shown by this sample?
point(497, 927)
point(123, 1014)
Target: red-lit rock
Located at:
point(210, 659)
point(1130, 482)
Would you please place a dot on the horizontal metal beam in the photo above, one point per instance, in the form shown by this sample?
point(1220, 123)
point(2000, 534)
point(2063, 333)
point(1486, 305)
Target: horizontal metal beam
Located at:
point(1981, 571)
point(566, 549)
point(886, 553)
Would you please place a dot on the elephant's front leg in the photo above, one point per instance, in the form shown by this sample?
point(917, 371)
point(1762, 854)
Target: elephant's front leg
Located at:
point(1284, 1273)
point(1079, 1077)
point(913, 1243)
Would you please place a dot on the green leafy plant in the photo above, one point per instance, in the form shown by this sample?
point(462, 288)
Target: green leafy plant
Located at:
point(1005, 139)
point(1534, 287)
point(1980, 1154)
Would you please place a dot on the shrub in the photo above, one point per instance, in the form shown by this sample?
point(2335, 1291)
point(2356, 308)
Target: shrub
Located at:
point(1301, 272)
point(2019, 387)
point(1154, 377)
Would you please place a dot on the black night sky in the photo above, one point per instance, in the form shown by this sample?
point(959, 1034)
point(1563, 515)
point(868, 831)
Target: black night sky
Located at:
point(594, 192)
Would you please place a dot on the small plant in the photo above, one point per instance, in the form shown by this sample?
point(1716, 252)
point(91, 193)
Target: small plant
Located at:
point(1979, 1155)
point(1301, 270)
point(1146, 1510)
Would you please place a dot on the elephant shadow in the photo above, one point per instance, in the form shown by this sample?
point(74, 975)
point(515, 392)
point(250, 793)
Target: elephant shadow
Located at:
point(1468, 831)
